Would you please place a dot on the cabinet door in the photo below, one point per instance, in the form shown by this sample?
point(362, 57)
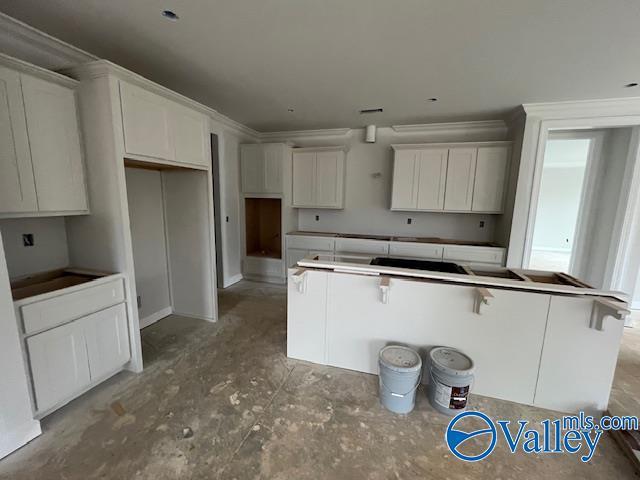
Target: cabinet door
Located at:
point(252, 168)
point(107, 337)
point(432, 172)
point(17, 187)
point(273, 159)
point(189, 134)
point(329, 180)
point(578, 362)
point(56, 155)
point(304, 178)
point(59, 364)
point(146, 124)
point(461, 169)
point(404, 195)
point(491, 173)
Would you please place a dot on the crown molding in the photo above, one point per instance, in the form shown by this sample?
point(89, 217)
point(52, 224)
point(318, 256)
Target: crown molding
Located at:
point(34, 70)
point(482, 126)
point(413, 146)
point(584, 108)
point(22, 41)
point(332, 148)
point(327, 132)
point(102, 68)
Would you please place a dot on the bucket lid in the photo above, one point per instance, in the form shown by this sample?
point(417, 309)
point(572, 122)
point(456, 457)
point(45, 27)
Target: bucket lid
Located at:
point(400, 359)
point(451, 361)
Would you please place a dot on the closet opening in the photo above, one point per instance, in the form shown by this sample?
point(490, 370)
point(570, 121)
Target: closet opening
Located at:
point(263, 224)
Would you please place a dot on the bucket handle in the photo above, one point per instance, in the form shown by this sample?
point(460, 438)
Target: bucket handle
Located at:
point(400, 395)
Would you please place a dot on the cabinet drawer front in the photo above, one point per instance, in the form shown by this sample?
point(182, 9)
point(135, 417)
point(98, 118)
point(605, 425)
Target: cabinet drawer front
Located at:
point(54, 311)
point(416, 250)
point(353, 245)
point(305, 242)
point(492, 255)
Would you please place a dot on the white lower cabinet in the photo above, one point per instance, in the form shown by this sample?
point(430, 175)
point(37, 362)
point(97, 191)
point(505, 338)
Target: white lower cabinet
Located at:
point(107, 338)
point(59, 364)
point(577, 360)
point(474, 255)
point(69, 358)
point(361, 246)
point(424, 251)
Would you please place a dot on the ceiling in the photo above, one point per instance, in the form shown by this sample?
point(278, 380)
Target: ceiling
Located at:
point(253, 60)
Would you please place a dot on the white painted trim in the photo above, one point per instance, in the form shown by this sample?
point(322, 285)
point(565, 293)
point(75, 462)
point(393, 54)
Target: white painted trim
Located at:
point(154, 317)
point(489, 126)
point(19, 436)
point(584, 108)
point(101, 68)
point(197, 317)
point(31, 69)
point(411, 146)
point(31, 39)
point(230, 281)
point(328, 132)
point(334, 148)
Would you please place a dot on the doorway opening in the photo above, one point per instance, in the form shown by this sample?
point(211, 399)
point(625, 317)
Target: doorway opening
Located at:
point(569, 169)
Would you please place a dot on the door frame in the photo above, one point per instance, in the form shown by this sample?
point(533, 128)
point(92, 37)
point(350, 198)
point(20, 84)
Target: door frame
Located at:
point(628, 205)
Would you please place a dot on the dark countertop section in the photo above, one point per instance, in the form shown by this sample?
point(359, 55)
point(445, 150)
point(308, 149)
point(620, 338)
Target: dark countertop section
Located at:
point(390, 238)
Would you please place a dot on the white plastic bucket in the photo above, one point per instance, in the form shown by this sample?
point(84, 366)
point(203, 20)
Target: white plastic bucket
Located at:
point(400, 369)
point(450, 380)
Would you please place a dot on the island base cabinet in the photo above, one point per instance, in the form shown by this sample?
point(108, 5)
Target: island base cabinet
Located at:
point(504, 340)
point(578, 362)
point(306, 317)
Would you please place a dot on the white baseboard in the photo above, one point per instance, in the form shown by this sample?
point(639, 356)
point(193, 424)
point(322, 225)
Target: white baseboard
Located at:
point(266, 279)
point(197, 317)
point(154, 317)
point(232, 280)
point(19, 437)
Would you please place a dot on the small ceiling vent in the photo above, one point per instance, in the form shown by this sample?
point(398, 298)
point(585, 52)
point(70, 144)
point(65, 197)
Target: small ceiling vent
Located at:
point(371, 110)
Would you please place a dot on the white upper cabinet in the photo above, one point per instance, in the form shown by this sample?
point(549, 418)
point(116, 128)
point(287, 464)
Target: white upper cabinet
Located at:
point(41, 161)
point(431, 179)
point(461, 177)
point(162, 129)
point(491, 172)
point(262, 167)
point(17, 187)
point(145, 122)
point(405, 168)
point(190, 135)
point(56, 154)
point(318, 177)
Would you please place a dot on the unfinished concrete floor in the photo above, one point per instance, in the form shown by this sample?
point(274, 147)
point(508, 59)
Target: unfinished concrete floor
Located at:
point(253, 413)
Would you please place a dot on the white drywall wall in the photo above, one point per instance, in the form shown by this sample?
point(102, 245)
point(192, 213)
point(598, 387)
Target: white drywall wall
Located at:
point(17, 425)
point(368, 194)
point(558, 208)
point(49, 251)
point(146, 217)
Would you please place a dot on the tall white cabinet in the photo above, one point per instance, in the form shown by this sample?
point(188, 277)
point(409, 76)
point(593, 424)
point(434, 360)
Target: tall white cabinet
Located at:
point(458, 178)
point(41, 157)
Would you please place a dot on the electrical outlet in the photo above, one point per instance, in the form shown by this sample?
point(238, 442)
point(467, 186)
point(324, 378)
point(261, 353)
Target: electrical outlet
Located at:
point(409, 220)
point(317, 218)
point(139, 300)
point(27, 240)
point(481, 223)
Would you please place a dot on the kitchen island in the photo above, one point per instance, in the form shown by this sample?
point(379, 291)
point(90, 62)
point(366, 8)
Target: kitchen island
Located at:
point(538, 338)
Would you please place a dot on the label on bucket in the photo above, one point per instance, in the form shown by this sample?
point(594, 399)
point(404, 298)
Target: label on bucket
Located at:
point(451, 397)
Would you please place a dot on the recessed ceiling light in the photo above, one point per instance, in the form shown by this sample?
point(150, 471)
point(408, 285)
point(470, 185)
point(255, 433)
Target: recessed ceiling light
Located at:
point(290, 110)
point(371, 110)
point(169, 15)
point(630, 85)
point(433, 99)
